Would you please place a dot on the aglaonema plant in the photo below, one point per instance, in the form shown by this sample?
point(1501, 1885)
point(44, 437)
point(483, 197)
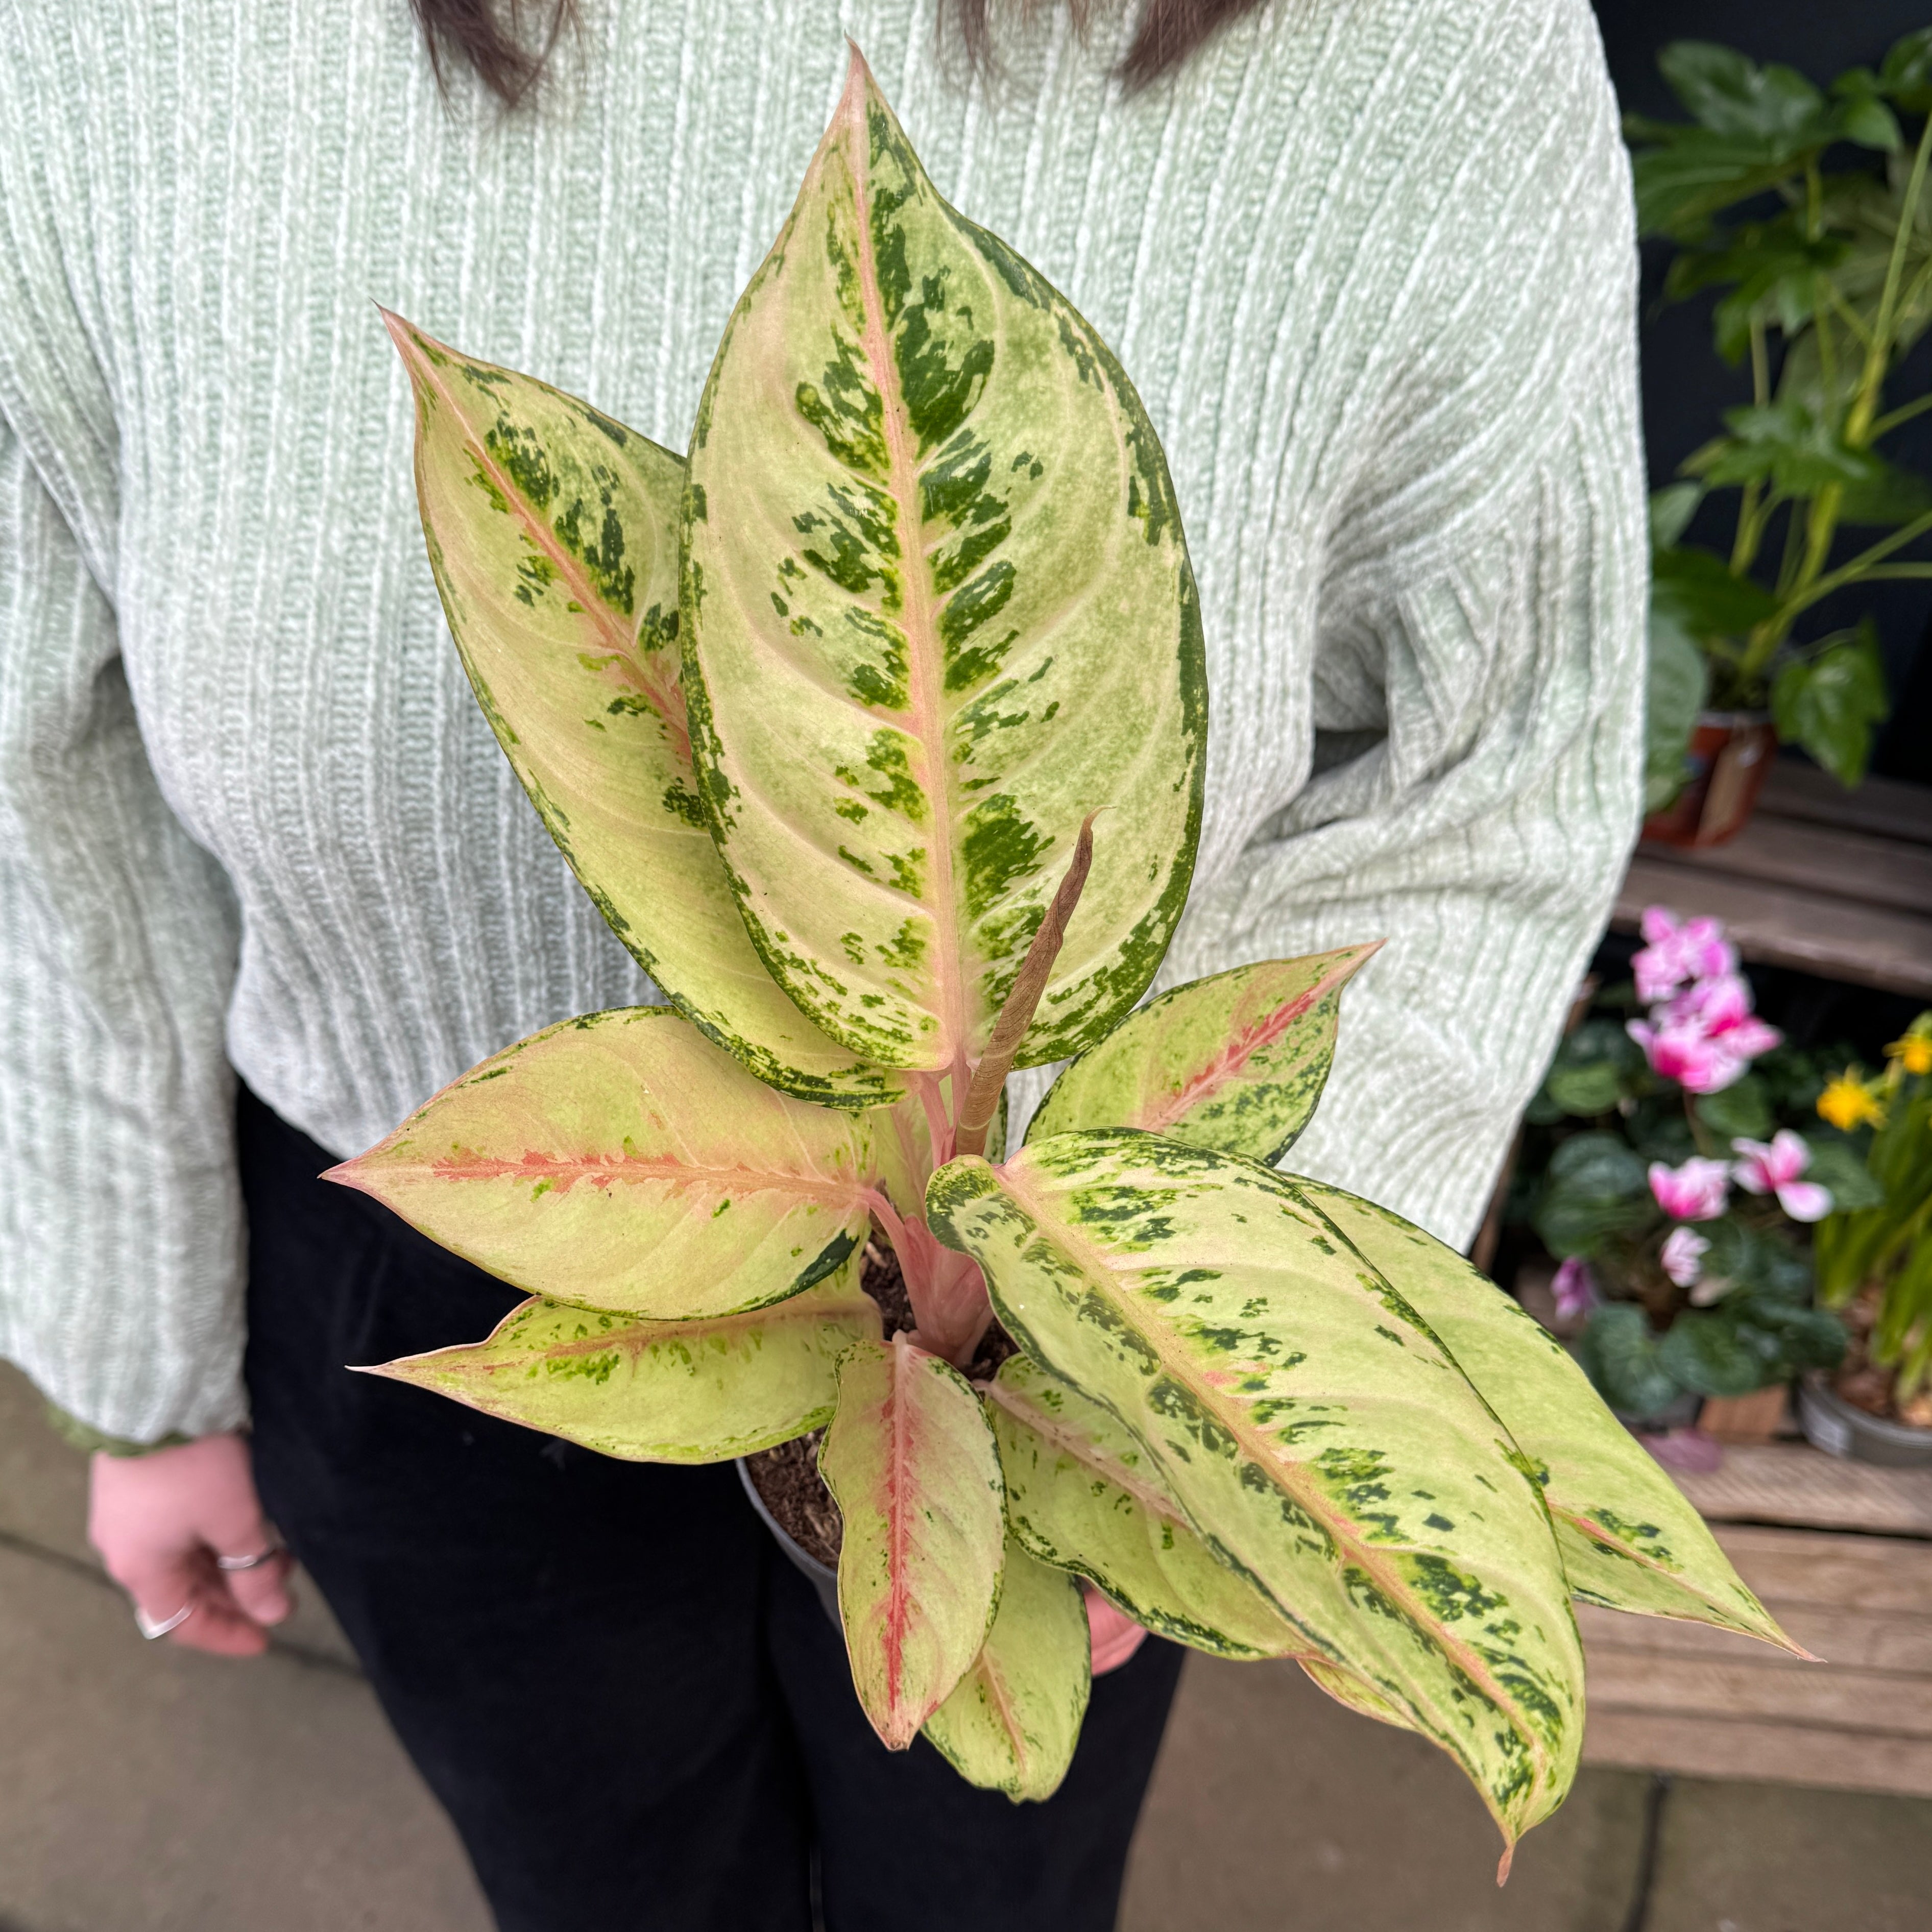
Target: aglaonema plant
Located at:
point(876, 728)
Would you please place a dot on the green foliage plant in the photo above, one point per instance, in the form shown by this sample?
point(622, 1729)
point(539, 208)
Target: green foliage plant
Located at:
point(875, 726)
point(1807, 208)
point(1881, 1244)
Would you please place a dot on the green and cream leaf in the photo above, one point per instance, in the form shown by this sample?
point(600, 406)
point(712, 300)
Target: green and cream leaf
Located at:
point(913, 1466)
point(621, 1161)
point(1084, 1494)
point(701, 1391)
point(937, 609)
point(1318, 1436)
point(553, 534)
point(1630, 1540)
point(1013, 1719)
point(1236, 1062)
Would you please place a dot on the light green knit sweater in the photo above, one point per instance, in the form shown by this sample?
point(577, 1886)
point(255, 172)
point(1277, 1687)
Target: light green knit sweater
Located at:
point(1369, 263)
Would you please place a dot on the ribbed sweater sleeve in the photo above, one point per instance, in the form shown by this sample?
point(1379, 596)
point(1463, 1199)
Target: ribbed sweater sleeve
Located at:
point(1476, 682)
point(120, 1225)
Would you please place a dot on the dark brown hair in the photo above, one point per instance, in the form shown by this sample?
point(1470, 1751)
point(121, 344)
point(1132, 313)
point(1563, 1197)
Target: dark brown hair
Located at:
point(494, 37)
point(508, 41)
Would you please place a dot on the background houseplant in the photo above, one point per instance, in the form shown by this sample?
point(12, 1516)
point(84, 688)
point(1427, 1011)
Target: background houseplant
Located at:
point(823, 718)
point(1663, 1169)
point(1875, 1259)
point(1807, 208)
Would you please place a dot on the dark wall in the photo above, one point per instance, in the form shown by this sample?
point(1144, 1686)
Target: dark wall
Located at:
point(1686, 387)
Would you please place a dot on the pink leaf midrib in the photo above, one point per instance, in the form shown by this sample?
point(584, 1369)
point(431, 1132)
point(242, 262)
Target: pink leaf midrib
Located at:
point(926, 711)
point(1173, 1108)
point(1293, 1476)
point(666, 696)
point(567, 1170)
point(899, 1480)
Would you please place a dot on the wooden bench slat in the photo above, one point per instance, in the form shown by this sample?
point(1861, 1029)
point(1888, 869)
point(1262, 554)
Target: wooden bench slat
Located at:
point(1760, 1751)
point(1780, 926)
point(1791, 1567)
point(1792, 1482)
point(1892, 808)
point(1854, 1640)
point(1879, 1703)
point(1834, 863)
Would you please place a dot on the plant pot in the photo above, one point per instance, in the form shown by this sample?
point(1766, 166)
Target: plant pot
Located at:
point(1834, 1425)
point(1730, 754)
point(822, 1576)
point(1744, 1420)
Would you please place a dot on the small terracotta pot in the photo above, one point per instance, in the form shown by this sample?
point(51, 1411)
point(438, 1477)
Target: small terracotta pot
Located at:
point(1744, 1420)
point(1730, 754)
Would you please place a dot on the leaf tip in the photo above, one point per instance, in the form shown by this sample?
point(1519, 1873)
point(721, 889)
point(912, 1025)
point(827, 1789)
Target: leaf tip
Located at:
point(399, 330)
point(858, 75)
point(1504, 1863)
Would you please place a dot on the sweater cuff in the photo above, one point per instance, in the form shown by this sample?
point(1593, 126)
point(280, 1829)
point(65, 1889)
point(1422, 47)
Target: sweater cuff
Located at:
point(90, 1441)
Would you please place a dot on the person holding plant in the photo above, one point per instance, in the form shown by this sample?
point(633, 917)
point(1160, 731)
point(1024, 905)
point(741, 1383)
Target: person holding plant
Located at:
point(252, 826)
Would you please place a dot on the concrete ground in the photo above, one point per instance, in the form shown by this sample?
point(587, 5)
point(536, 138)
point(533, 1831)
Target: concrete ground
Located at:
point(144, 1789)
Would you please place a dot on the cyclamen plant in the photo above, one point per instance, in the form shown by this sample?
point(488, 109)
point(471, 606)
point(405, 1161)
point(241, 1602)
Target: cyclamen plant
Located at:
point(825, 717)
point(1687, 1197)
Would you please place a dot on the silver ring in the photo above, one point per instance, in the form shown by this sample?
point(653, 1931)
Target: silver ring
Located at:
point(254, 1562)
point(151, 1629)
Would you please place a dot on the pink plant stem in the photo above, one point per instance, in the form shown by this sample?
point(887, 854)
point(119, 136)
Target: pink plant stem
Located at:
point(938, 1126)
point(947, 1291)
point(887, 1215)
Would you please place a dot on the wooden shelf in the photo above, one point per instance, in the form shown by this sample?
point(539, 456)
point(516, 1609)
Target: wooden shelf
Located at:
point(1840, 1552)
point(1834, 883)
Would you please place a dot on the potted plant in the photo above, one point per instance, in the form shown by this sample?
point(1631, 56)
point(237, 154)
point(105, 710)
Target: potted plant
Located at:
point(1875, 1262)
point(1808, 209)
point(875, 726)
point(1668, 1180)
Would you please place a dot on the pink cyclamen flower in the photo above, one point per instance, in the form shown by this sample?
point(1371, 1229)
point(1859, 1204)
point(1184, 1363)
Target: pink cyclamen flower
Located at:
point(1721, 1008)
point(1697, 1191)
point(1575, 1289)
point(1695, 950)
point(1774, 1168)
point(1687, 1055)
point(1684, 1254)
point(1706, 1037)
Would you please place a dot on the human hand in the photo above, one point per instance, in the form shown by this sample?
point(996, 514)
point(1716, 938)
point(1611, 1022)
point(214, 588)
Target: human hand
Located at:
point(160, 1520)
point(1114, 1636)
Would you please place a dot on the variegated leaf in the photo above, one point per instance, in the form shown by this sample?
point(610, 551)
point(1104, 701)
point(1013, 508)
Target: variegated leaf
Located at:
point(1013, 1719)
point(622, 1161)
point(913, 1466)
point(1629, 1539)
point(701, 1391)
point(937, 609)
point(1315, 1432)
point(1083, 1493)
point(553, 534)
point(1235, 1062)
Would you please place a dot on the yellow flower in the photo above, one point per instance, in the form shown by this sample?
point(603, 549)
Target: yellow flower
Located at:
point(1915, 1050)
point(1847, 1102)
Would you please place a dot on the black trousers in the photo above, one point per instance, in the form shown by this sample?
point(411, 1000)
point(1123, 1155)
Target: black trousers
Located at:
point(635, 1711)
